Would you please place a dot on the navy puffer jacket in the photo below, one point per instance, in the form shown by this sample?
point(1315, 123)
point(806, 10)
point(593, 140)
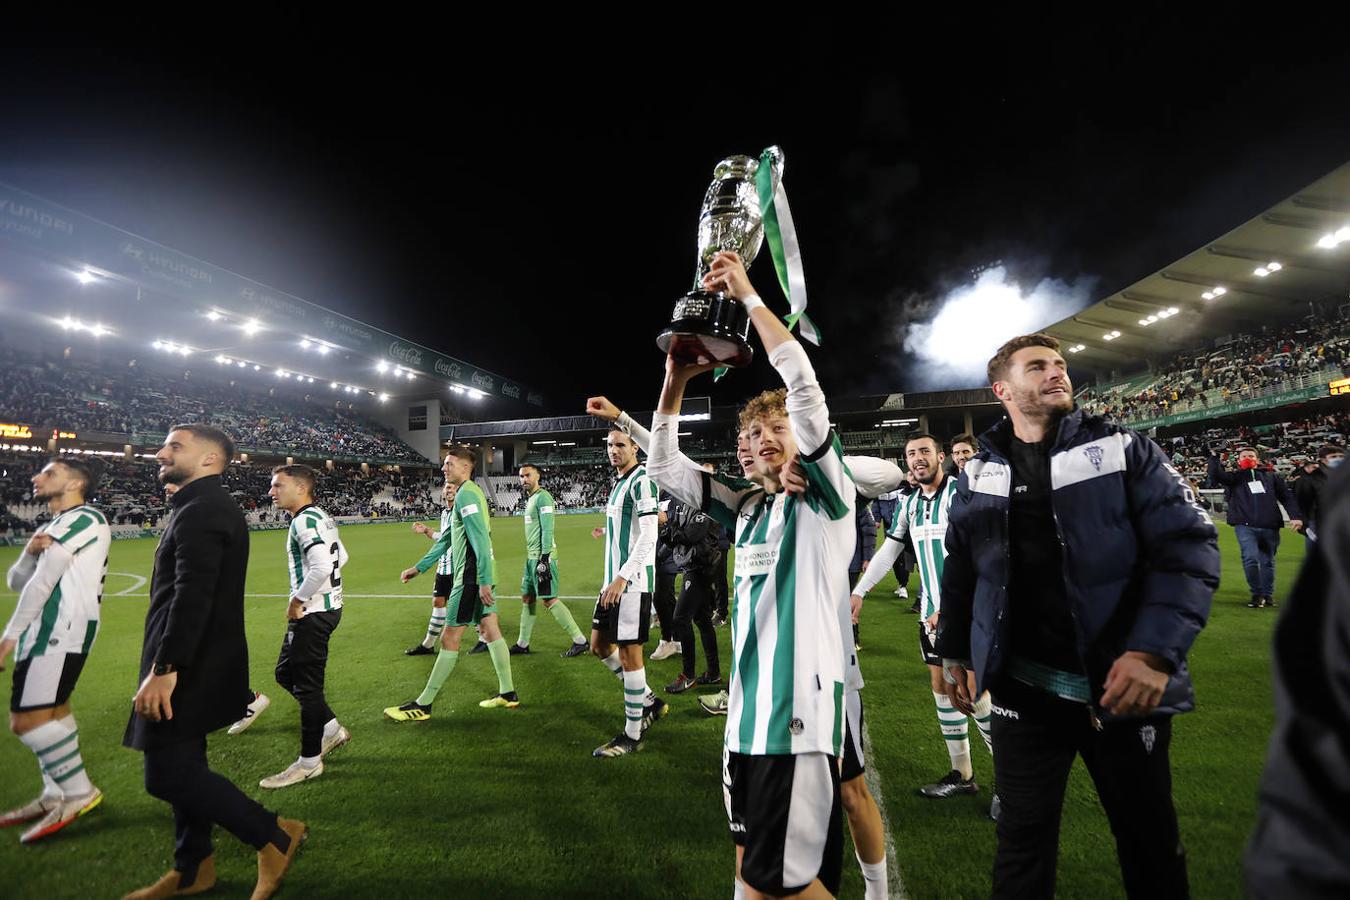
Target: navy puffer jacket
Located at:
point(1141, 558)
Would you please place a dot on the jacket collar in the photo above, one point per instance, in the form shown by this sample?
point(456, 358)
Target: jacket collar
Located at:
point(998, 439)
point(194, 488)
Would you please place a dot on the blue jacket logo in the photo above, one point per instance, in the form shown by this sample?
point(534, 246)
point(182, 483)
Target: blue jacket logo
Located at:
point(1095, 455)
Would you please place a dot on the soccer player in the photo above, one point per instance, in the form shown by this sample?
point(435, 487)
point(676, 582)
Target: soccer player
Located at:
point(923, 517)
point(864, 816)
point(444, 574)
point(540, 578)
point(785, 719)
point(59, 579)
point(619, 625)
point(470, 600)
point(964, 447)
point(314, 560)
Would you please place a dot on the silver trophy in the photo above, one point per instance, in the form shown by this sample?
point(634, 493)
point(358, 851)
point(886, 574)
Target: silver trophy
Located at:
point(709, 326)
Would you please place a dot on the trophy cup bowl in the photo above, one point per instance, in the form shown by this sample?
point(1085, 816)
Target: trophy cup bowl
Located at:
point(711, 326)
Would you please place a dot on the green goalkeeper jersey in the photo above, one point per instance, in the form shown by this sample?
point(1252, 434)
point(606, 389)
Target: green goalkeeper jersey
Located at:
point(539, 526)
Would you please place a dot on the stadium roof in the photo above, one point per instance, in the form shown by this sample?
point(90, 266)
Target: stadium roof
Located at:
point(1269, 268)
point(60, 268)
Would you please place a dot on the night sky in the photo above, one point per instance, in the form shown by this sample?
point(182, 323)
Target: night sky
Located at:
point(537, 217)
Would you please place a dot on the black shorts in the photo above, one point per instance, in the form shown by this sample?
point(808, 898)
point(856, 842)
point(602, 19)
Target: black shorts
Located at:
point(764, 795)
point(443, 585)
point(853, 730)
point(46, 681)
point(626, 622)
point(926, 647)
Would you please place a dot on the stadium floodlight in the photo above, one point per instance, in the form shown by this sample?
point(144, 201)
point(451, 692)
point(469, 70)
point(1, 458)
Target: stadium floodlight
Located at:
point(1274, 266)
point(184, 350)
point(306, 343)
point(1327, 241)
point(252, 327)
point(1173, 310)
point(221, 358)
point(158, 345)
point(281, 373)
point(84, 276)
point(333, 386)
point(476, 394)
point(1144, 322)
point(1260, 271)
point(543, 442)
point(213, 316)
point(384, 397)
point(98, 330)
point(1164, 314)
point(382, 367)
point(242, 364)
point(1343, 234)
point(409, 375)
point(310, 379)
point(1220, 291)
point(323, 349)
point(257, 368)
point(1209, 295)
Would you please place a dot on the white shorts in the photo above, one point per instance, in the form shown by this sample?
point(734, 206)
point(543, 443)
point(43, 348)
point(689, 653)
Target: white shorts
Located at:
point(41, 682)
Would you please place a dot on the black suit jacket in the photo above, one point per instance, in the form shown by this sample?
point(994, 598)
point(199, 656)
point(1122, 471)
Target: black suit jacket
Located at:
point(196, 616)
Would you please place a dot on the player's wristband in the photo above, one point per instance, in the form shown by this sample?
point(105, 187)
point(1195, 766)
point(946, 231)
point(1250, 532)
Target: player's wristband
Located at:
point(752, 302)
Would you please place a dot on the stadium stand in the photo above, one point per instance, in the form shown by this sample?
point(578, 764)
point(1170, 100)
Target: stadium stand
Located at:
point(141, 405)
point(1283, 360)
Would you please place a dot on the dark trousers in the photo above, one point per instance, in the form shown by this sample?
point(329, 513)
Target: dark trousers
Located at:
point(695, 608)
point(1037, 736)
point(663, 600)
point(721, 601)
point(178, 775)
point(300, 670)
point(1257, 547)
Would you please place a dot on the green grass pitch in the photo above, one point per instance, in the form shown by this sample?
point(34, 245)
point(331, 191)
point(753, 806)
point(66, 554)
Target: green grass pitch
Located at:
point(509, 803)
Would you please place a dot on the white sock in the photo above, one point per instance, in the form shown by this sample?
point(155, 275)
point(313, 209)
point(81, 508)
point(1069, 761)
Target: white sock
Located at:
point(954, 730)
point(57, 748)
point(874, 876)
point(330, 728)
point(309, 762)
point(634, 690)
point(982, 714)
point(613, 664)
point(434, 627)
point(739, 892)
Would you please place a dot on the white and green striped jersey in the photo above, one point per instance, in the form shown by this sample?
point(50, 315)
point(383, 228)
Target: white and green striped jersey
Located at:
point(60, 591)
point(630, 549)
point(539, 534)
point(314, 560)
point(792, 557)
point(924, 519)
point(445, 565)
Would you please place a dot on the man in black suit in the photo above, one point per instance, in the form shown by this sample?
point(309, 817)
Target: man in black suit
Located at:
point(194, 671)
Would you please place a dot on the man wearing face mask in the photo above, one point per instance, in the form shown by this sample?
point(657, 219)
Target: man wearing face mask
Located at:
point(1252, 494)
point(1308, 489)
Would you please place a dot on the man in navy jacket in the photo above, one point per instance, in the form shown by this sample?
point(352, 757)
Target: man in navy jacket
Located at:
point(1251, 494)
point(1079, 571)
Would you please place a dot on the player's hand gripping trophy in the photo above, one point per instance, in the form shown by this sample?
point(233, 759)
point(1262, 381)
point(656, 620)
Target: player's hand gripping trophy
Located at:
point(709, 326)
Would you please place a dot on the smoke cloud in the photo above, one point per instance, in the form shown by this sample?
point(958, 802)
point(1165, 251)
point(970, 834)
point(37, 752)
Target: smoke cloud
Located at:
point(951, 349)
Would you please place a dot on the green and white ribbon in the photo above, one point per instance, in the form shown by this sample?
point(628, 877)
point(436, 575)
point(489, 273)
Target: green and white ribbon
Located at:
point(781, 236)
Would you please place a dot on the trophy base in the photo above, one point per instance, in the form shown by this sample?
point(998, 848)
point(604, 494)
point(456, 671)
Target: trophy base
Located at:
point(708, 327)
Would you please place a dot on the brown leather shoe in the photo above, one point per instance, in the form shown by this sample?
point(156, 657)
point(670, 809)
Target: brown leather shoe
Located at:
point(272, 863)
point(168, 886)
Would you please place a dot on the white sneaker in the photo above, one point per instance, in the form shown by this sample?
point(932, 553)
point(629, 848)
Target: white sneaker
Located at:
point(715, 704)
point(35, 809)
point(65, 812)
point(665, 650)
point(330, 744)
point(294, 774)
point(902, 593)
point(260, 702)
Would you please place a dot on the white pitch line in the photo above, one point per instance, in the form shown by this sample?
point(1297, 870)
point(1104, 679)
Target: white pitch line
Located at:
point(896, 888)
point(140, 583)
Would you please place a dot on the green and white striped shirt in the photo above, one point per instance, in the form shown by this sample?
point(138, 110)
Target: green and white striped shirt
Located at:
point(627, 554)
point(314, 560)
point(445, 565)
point(60, 591)
point(924, 519)
point(792, 555)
